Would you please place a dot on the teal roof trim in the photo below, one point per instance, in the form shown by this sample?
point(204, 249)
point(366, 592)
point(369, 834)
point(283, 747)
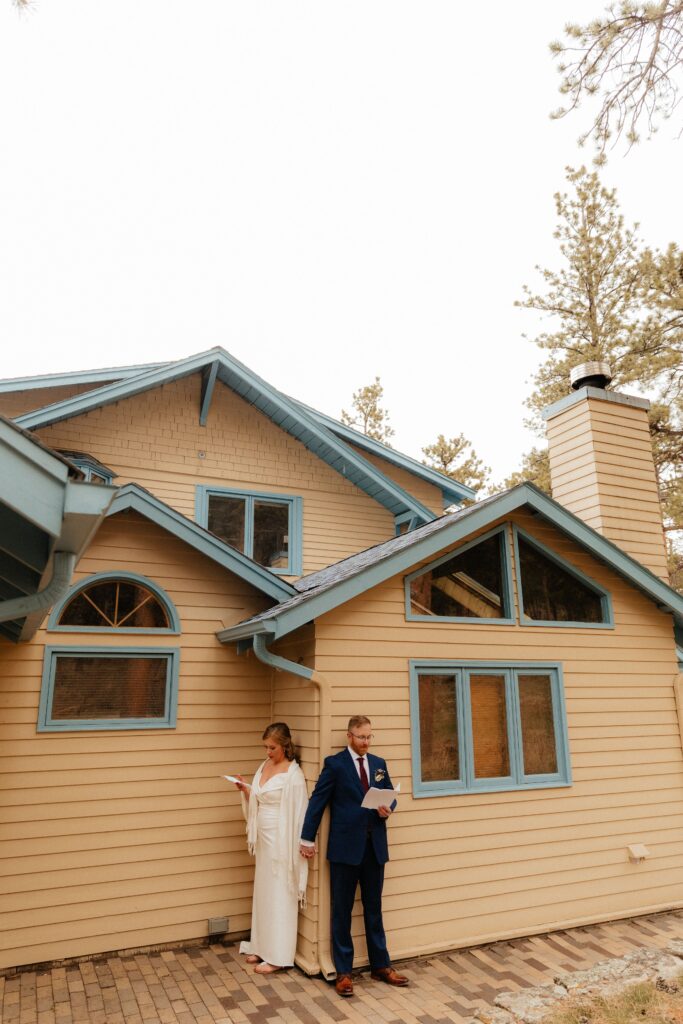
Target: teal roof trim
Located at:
point(329, 588)
point(284, 412)
point(56, 380)
point(452, 491)
point(134, 497)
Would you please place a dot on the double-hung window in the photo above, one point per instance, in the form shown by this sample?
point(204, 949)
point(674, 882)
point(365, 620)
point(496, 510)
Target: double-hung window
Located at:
point(483, 726)
point(266, 527)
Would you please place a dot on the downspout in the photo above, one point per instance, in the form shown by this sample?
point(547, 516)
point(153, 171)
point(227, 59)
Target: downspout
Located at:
point(62, 571)
point(325, 964)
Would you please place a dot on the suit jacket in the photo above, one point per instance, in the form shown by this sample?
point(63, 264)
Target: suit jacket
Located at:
point(351, 825)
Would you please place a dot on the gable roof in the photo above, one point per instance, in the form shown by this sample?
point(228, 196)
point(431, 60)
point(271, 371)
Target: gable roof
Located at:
point(134, 497)
point(452, 490)
point(217, 364)
point(327, 589)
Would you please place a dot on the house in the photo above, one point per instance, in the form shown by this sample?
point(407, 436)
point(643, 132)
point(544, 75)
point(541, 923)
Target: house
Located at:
point(240, 558)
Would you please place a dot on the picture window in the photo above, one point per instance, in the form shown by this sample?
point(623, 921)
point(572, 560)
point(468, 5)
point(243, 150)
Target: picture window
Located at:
point(487, 727)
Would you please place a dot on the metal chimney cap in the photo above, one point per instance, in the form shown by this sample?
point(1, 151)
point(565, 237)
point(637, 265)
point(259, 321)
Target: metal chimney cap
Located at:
point(595, 375)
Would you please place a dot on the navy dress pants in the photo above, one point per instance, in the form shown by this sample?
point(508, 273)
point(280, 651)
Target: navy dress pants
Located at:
point(344, 879)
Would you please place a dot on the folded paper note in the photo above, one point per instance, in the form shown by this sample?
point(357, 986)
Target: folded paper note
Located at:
point(375, 798)
point(233, 778)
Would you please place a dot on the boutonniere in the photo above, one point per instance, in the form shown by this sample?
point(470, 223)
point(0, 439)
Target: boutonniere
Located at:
point(379, 775)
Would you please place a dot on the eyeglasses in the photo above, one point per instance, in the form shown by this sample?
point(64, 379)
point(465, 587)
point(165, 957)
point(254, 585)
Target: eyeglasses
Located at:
point(362, 739)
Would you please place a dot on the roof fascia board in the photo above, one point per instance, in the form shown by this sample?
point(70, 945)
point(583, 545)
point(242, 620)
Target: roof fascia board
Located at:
point(131, 497)
point(291, 418)
point(56, 380)
point(450, 488)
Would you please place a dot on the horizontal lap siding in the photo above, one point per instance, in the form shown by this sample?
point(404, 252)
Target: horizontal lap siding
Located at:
point(113, 840)
point(155, 440)
point(475, 867)
point(602, 470)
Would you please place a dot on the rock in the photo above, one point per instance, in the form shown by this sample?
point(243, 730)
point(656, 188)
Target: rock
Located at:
point(611, 976)
point(531, 1005)
point(606, 978)
point(494, 1015)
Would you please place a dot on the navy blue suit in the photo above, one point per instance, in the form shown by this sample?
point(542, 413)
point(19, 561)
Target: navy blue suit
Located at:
point(357, 851)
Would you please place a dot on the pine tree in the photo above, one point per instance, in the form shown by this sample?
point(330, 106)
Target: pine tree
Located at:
point(368, 414)
point(631, 61)
point(456, 458)
point(614, 301)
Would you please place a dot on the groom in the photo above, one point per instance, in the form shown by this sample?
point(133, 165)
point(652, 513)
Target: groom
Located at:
point(357, 850)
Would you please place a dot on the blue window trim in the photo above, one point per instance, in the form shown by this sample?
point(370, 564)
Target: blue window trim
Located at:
point(90, 468)
point(405, 518)
point(295, 566)
point(508, 619)
point(517, 780)
point(47, 724)
point(102, 577)
point(605, 598)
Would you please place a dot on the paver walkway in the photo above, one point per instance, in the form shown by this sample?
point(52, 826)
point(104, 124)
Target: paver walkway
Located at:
point(211, 985)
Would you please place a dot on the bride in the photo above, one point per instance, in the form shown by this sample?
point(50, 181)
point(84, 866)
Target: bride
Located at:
point(274, 807)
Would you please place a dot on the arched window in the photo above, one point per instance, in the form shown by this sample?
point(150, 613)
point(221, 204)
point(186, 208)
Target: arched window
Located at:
point(123, 602)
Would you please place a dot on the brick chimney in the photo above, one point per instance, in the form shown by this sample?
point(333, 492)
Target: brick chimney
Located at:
point(601, 465)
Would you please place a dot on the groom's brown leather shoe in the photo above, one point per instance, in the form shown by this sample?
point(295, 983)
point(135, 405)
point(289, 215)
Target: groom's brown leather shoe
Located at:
point(389, 975)
point(344, 985)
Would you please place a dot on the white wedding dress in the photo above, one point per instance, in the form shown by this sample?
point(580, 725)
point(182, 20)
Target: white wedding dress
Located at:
point(275, 906)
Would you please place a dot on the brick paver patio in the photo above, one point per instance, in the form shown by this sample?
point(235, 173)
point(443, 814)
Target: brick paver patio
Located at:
point(212, 985)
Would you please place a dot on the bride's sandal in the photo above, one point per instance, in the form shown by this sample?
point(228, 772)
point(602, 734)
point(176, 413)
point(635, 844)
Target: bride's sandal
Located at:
point(253, 959)
point(265, 968)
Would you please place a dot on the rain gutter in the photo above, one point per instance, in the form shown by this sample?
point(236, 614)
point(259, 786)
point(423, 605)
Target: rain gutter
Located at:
point(324, 962)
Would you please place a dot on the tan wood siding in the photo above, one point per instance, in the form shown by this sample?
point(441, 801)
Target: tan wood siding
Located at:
point(155, 439)
point(477, 866)
point(113, 840)
point(602, 469)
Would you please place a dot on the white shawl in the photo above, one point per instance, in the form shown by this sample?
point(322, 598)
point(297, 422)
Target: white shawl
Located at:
point(294, 801)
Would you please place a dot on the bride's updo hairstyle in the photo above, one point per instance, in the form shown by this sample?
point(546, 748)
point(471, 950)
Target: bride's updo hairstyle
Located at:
point(279, 733)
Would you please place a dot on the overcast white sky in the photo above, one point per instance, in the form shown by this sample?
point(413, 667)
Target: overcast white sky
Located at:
point(331, 191)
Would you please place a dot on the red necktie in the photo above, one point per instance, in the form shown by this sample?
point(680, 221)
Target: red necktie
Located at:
point(363, 775)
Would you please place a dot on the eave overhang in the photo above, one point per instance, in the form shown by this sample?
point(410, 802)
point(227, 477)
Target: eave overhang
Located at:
point(454, 493)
